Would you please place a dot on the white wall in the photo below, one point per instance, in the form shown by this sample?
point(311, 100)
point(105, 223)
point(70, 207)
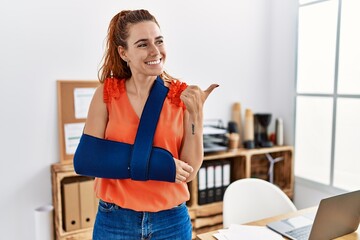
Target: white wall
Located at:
point(245, 46)
point(283, 34)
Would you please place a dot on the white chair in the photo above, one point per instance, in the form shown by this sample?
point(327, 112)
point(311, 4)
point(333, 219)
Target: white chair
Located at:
point(251, 199)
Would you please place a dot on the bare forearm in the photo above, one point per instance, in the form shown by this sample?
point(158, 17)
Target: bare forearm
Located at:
point(192, 150)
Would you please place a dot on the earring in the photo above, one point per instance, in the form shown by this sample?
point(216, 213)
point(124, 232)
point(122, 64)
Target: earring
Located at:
point(111, 74)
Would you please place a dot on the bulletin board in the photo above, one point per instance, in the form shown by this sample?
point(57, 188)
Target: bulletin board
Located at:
point(73, 100)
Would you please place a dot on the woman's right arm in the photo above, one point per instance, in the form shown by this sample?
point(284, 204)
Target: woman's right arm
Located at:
point(97, 118)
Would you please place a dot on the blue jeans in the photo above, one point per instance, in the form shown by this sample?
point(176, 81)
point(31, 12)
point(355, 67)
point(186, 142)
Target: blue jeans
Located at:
point(116, 223)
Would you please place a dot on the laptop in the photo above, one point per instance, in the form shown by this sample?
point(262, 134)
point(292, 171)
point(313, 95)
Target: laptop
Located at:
point(335, 217)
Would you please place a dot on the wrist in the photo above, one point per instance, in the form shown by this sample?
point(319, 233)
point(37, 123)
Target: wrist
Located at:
point(196, 118)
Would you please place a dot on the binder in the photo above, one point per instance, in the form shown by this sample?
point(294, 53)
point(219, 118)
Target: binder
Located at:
point(226, 171)
point(218, 181)
point(71, 206)
point(210, 182)
point(202, 185)
point(87, 211)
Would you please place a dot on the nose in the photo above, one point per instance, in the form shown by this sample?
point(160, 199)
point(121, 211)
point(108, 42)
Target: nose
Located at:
point(154, 51)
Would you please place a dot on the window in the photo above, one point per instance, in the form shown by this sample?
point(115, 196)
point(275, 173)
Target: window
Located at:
point(327, 129)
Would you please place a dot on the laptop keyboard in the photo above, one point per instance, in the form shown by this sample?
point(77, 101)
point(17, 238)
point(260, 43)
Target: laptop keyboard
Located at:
point(301, 233)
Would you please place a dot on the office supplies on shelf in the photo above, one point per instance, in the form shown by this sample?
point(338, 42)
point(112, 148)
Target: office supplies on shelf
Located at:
point(261, 124)
point(71, 206)
point(210, 182)
point(279, 132)
point(213, 179)
point(218, 181)
point(202, 185)
point(236, 117)
point(226, 171)
point(214, 136)
point(249, 130)
point(87, 210)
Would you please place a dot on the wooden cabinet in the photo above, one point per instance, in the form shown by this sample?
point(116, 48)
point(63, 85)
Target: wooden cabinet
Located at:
point(61, 172)
point(244, 164)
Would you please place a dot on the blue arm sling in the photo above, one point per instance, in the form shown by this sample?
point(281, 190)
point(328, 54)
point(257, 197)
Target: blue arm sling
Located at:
point(97, 157)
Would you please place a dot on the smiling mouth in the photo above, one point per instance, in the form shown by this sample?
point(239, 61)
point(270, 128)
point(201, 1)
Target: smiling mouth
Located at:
point(153, 62)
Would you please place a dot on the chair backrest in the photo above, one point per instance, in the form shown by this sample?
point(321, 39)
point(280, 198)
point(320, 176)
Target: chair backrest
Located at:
point(251, 199)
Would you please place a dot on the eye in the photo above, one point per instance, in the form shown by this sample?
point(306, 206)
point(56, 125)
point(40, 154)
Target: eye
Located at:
point(142, 45)
point(160, 41)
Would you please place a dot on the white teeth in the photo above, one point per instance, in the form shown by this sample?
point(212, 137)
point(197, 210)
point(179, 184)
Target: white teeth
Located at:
point(153, 62)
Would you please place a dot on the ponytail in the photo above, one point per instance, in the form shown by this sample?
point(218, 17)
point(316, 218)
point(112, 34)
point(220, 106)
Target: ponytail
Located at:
point(113, 65)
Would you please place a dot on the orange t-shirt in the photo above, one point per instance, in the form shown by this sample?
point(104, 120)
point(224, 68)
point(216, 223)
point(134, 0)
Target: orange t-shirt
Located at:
point(151, 196)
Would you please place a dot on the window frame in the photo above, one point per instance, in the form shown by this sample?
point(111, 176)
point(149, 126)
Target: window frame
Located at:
point(335, 96)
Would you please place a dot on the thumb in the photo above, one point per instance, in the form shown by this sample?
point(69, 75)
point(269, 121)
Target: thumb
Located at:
point(210, 89)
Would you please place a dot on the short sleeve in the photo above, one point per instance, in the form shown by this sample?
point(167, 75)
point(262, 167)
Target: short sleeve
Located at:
point(112, 89)
point(175, 89)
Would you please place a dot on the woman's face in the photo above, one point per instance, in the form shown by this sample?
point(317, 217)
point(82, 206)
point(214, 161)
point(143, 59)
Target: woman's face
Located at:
point(146, 51)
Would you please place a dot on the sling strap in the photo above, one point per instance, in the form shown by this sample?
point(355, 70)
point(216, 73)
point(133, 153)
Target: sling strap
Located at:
point(141, 161)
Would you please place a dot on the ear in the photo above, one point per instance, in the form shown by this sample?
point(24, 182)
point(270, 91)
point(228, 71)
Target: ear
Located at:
point(122, 53)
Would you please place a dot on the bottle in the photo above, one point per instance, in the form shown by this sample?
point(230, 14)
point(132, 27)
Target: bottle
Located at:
point(249, 130)
point(236, 117)
point(279, 132)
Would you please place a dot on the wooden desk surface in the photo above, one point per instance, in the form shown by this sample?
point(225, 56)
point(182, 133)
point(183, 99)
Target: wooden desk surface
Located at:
point(263, 222)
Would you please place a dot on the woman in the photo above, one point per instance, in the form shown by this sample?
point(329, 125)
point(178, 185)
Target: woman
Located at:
point(135, 56)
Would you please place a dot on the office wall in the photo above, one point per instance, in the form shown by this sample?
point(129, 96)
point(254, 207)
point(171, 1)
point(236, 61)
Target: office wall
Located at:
point(245, 46)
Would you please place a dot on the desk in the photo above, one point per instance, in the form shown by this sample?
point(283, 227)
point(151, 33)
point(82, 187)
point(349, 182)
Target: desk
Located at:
point(263, 222)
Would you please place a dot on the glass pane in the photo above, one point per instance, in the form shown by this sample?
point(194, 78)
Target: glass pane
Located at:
point(317, 47)
point(349, 51)
point(306, 1)
point(313, 138)
point(347, 150)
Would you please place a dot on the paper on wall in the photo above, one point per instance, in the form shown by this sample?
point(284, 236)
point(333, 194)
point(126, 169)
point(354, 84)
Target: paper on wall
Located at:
point(82, 99)
point(73, 132)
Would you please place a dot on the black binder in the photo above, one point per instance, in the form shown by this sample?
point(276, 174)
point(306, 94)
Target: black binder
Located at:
point(226, 174)
point(218, 181)
point(202, 185)
point(210, 182)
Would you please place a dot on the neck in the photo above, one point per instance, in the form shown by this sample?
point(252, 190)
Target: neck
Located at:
point(139, 86)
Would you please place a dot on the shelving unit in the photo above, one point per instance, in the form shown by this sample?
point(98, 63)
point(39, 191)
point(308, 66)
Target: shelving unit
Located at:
point(59, 172)
point(244, 164)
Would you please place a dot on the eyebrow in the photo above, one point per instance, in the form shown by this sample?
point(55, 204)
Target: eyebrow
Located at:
point(145, 39)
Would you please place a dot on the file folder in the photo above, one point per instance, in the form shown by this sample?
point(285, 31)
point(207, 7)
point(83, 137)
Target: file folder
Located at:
point(202, 185)
point(87, 211)
point(218, 181)
point(210, 182)
point(226, 167)
point(71, 206)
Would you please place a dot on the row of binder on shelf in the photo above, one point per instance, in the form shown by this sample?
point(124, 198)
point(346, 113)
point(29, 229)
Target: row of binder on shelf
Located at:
point(79, 203)
point(213, 179)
